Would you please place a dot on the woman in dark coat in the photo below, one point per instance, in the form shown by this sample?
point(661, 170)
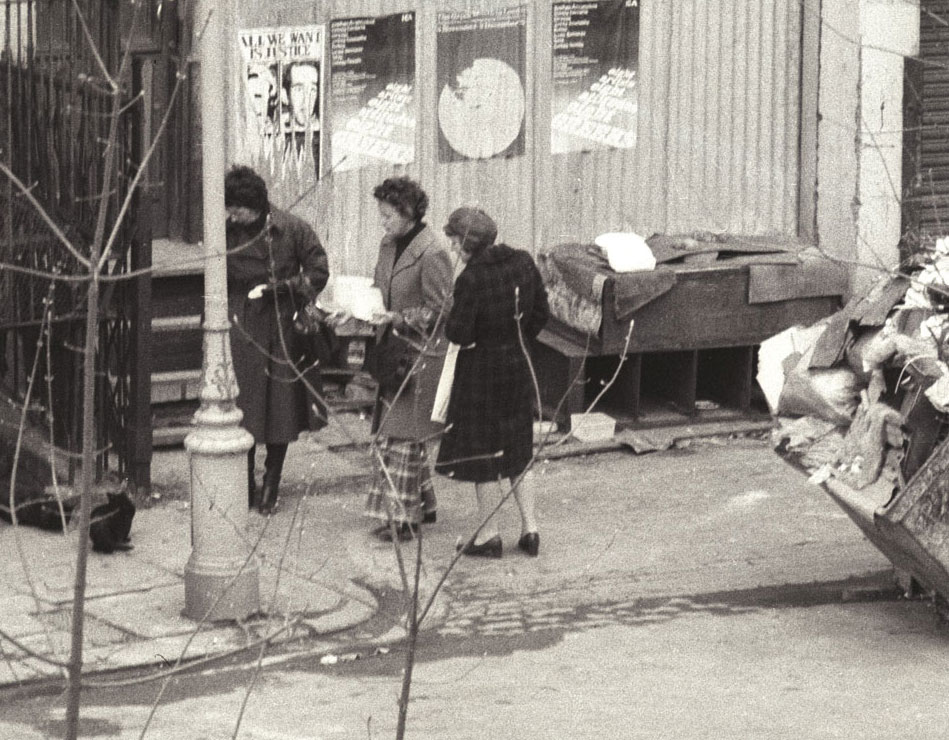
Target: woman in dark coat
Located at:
point(414, 274)
point(275, 263)
point(499, 306)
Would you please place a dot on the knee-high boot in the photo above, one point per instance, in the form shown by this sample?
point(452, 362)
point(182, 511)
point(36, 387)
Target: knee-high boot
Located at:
point(251, 483)
point(273, 468)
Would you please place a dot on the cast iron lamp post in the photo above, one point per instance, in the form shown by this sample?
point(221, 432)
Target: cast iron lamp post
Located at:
point(221, 580)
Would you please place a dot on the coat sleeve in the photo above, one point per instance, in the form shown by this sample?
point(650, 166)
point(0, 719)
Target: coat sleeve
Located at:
point(435, 275)
point(436, 280)
point(540, 310)
point(314, 265)
point(463, 317)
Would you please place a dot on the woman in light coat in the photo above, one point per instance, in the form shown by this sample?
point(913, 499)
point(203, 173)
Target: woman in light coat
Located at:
point(414, 274)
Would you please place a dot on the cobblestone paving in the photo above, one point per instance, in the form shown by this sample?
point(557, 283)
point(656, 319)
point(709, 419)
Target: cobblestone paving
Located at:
point(492, 618)
point(476, 610)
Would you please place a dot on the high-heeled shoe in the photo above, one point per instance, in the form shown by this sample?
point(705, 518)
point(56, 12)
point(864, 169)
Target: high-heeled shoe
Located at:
point(488, 549)
point(529, 543)
point(268, 498)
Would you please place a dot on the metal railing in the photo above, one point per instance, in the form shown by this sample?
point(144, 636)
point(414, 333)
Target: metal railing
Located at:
point(56, 114)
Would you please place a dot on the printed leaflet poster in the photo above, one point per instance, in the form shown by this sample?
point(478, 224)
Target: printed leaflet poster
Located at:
point(595, 96)
point(372, 84)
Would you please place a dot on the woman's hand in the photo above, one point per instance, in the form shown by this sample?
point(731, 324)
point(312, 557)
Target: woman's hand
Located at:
point(386, 317)
point(257, 292)
point(336, 318)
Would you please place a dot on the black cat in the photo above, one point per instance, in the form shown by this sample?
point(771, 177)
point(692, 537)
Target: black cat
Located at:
point(111, 523)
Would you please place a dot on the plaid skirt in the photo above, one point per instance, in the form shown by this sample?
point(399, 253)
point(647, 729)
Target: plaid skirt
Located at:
point(401, 486)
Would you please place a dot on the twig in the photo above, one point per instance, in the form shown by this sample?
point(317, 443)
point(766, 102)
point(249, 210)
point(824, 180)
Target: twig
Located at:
point(57, 232)
point(94, 48)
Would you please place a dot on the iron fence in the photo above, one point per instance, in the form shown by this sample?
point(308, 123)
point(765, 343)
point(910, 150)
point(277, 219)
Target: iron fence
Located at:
point(57, 116)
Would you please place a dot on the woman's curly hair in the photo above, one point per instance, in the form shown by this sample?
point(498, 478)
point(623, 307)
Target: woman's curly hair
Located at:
point(403, 194)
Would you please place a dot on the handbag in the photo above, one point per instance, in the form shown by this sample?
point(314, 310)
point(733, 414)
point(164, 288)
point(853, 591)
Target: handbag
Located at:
point(391, 362)
point(319, 348)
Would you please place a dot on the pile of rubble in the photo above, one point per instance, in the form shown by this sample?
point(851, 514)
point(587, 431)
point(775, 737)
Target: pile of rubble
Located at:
point(864, 393)
point(861, 402)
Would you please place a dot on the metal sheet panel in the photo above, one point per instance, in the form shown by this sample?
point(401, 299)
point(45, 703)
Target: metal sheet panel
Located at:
point(719, 122)
point(717, 148)
point(931, 196)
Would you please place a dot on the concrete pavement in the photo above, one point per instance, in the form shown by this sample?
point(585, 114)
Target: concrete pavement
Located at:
point(708, 517)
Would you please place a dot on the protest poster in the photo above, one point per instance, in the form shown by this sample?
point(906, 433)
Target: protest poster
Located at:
point(372, 87)
point(595, 90)
point(283, 79)
point(480, 73)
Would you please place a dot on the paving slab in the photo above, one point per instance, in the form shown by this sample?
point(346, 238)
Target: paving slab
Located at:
point(615, 526)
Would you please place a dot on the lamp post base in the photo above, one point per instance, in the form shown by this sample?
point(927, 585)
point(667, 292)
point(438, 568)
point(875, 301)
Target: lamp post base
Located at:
point(217, 595)
point(221, 579)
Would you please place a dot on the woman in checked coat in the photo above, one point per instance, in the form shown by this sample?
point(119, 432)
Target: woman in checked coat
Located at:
point(499, 307)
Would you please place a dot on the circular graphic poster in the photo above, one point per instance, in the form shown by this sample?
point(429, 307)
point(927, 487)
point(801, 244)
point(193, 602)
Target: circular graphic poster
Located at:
point(482, 114)
point(480, 61)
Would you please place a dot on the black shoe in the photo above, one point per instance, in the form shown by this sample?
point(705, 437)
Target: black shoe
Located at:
point(403, 531)
point(530, 543)
point(268, 498)
point(488, 549)
point(430, 517)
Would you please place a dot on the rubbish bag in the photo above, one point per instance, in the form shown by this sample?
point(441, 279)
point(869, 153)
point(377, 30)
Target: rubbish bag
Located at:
point(832, 394)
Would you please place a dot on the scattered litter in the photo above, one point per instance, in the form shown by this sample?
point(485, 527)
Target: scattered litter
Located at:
point(543, 428)
point(821, 475)
point(645, 441)
point(592, 426)
point(329, 660)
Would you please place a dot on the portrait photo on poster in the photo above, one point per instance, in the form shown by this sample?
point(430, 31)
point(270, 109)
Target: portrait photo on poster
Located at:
point(284, 93)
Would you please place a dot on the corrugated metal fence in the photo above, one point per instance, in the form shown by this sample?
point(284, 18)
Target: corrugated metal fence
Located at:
point(719, 127)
